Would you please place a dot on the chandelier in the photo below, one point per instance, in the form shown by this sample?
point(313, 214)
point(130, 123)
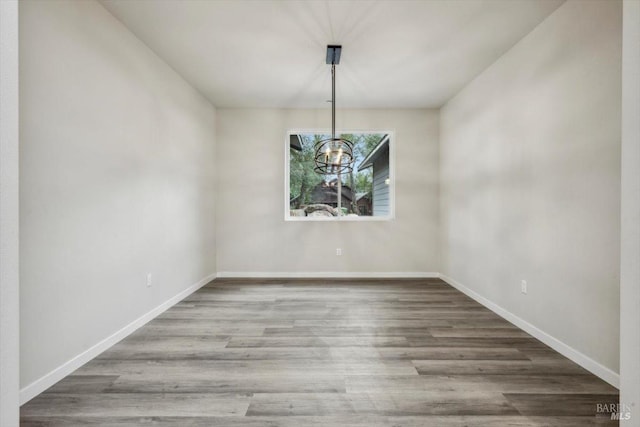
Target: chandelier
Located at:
point(333, 156)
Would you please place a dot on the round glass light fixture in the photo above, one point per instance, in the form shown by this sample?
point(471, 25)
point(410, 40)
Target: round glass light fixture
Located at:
point(333, 156)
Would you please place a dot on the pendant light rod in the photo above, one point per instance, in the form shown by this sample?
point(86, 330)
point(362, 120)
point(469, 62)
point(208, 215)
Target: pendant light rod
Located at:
point(333, 101)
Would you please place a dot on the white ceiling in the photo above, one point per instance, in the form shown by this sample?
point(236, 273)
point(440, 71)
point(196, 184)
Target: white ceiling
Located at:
point(271, 53)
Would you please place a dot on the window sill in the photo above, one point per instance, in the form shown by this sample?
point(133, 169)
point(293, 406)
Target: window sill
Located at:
point(339, 218)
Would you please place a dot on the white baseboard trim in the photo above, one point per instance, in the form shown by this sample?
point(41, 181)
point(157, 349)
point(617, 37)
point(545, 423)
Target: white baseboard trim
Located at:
point(41, 384)
point(327, 275)
point(586, 362)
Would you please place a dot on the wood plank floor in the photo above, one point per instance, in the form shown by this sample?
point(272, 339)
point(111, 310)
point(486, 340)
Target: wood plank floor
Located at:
point(326, 353)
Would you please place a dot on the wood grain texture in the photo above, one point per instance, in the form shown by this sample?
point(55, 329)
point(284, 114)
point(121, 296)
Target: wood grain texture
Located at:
point(310, 352)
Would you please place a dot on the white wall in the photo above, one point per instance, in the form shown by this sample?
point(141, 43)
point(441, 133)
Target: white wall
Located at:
point(117, 181)
point(252, 235)
point(530, 161)
point(9, 288)
point(630, 233)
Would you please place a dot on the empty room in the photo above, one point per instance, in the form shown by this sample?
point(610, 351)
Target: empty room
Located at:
point(320, 213)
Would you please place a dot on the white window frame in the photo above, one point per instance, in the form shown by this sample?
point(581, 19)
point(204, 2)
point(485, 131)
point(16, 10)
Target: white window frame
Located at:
point(392, 173)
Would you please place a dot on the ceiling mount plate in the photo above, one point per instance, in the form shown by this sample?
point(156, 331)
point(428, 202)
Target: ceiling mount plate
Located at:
point(333, 53)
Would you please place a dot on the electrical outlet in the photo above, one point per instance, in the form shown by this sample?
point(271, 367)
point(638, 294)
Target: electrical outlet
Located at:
point(523, 286)
point(338, 251)
point(148, 280)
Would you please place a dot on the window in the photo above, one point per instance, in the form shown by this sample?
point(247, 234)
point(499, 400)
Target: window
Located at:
point(366, 192)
